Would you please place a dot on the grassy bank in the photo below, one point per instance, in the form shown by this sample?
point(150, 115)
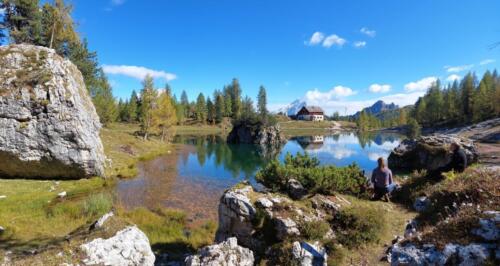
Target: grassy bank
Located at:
point(125, 148)
point(32, 214)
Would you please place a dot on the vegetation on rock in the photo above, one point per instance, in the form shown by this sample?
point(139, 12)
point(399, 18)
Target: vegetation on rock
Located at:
point(315, 178)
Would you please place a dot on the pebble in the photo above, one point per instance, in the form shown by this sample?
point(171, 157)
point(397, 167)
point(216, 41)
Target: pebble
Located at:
point(62, 194)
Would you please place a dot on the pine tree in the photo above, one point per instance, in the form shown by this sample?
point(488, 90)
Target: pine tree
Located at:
point(133, 107)
point(235, 90)
point(200, 109)
point(228, 103)
point(467, 89)
point(414, 129)
point(148, 102)
point(262, 102)
point(104, 102)
point(211, 112)
point(164, 114)
point(23, 21)
point(403, 117)
point(219, 108)
point(168, 90)
point(247, 108)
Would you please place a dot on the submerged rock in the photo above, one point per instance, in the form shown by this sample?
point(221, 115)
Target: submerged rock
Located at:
point(227, 253)
point(429, 152)
point(49, 127)
point(129, 246)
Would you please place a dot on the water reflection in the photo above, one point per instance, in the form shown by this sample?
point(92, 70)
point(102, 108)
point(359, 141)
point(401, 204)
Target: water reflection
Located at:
point(194, 177)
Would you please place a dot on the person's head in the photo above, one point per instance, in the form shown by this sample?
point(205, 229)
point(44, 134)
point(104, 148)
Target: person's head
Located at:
point(381, 162)
point(454, 146)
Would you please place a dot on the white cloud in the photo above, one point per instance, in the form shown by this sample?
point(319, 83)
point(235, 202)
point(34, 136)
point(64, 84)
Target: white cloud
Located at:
point(333, 40)
point(453, 77)
point(456, 69)
point(316, 38)
point(137, 72)
point(367, 32)
point(421, 85)
point(2, 11)
point(335, 93)
point(379, 88)
point(360, 44)
point(487, 61)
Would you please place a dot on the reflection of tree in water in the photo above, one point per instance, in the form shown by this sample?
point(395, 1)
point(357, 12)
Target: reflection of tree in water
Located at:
point(235, 158)
point(367, 138)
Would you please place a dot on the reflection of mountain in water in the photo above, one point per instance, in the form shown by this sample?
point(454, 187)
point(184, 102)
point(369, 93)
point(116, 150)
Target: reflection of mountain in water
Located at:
point(367, 138)
point(235, 158)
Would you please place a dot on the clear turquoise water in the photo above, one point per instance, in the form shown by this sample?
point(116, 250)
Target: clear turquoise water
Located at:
point(193, 178)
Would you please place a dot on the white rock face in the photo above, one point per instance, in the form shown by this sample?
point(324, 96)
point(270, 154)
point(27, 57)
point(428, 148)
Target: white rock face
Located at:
point(129, 246)
point(472, 254)
point(48, 125)
point(227, 253)
point(236, 213)
point(285, 228)
point(307, 254)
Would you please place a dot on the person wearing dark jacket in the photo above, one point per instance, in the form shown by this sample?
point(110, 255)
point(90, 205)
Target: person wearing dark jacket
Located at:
point(458, 159)
point(382, 181)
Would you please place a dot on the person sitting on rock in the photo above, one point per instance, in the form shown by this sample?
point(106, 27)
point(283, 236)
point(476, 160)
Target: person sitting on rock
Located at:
point(458, 161)
point(382, 181)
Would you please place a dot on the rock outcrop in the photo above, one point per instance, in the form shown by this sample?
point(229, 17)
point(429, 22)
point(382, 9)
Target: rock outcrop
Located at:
point(429, 152)
point(256, 133)
point(227, 253)
point(263, 221)
point(129, 246)
point(49, 127)
point(307, 254)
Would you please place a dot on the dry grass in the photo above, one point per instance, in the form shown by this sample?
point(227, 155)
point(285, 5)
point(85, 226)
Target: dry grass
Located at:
point(457, 203)
point(125, 148)
point(168, 230)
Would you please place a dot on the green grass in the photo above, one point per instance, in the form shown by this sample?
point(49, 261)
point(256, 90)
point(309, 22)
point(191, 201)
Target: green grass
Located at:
point(32, 213)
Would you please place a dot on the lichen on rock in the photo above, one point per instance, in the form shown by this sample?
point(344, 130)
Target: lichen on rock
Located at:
point(49, 127)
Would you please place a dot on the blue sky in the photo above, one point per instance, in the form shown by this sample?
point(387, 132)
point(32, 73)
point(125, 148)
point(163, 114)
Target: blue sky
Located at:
point(342, 55)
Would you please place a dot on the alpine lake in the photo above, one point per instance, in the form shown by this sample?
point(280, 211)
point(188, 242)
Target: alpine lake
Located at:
point(195, 173)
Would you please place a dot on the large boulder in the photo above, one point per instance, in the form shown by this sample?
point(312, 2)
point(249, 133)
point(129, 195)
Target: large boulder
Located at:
point(236, 213)
point(227, 253)
point(256, 133)
point(429, 152)
point(129, 246)
point(49, 127)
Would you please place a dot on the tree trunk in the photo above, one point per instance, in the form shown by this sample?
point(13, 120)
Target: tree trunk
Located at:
point(52, 35)
point(163, 134)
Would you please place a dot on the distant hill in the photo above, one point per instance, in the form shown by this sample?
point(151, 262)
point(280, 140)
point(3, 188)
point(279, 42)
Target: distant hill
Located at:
point(293, 108)
point(378, 108)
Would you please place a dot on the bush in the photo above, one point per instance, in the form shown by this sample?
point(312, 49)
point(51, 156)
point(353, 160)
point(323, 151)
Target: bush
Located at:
point(315, 178)
point(315, 230)
point(357, 226)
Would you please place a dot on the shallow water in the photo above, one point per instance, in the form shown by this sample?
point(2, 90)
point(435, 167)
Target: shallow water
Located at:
point(193, 177)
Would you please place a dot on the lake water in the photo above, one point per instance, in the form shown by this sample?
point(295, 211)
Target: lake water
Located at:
point(194, 176)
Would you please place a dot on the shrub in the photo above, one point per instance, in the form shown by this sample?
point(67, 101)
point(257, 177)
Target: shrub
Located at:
point(315, 230)
point(357, 226)
point(316, 179)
